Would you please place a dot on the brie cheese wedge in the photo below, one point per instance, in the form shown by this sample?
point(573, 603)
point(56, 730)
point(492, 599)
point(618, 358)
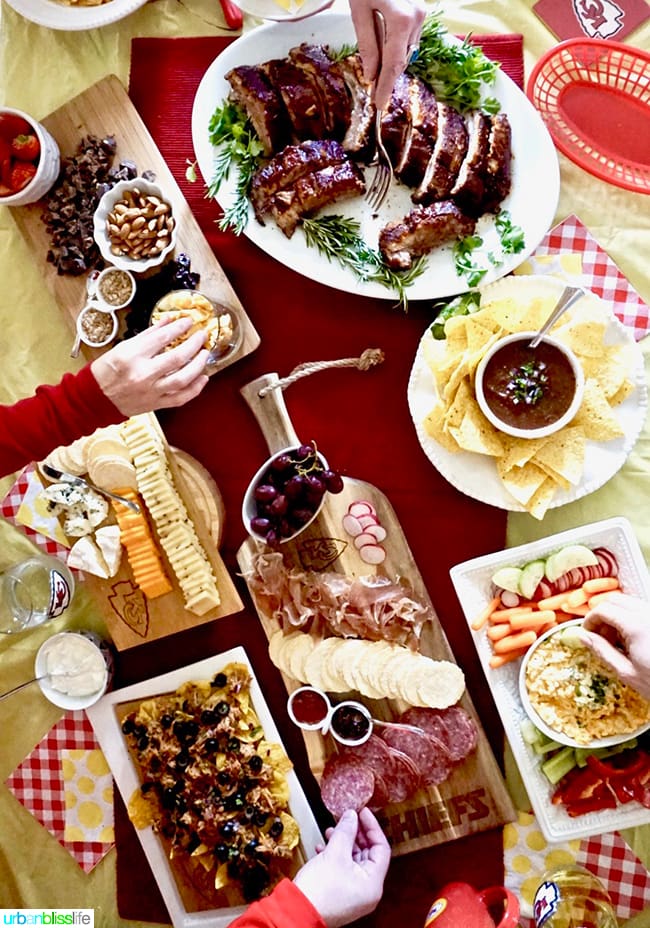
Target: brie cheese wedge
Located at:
point(108, 540)
point(85, 555)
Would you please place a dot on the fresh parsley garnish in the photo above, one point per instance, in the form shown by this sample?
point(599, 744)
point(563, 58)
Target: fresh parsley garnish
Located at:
point(339, 239)
point(238, 146)
point(457, 73)
point(464, 261)
point(510, 235)
point(467, 260)
point(461, 305)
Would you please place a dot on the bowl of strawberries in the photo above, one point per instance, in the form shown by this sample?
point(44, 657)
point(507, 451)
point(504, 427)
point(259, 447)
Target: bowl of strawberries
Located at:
point(29, 159)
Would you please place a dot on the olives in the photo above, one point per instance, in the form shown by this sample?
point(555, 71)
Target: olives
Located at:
point(221, 852)
point(182, 759)
point(228, 828)
point(128, 726)
point(222, 708)
point(219, 681)
point(210, 745)
point(255, 763)
point(233, 745)
point(276, 829)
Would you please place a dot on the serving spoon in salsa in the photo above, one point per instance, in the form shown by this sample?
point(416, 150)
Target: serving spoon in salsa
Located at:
point(567, 298)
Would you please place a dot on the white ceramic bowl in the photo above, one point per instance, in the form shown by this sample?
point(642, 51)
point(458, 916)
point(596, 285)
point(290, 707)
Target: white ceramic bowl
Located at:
point(546, 430)
point(539, 723)
point(97, 278)
point(106, 205)
point(289, 11)
point(84, 669)
point(47, 170)
point(323, 723)
point(105, 311)
point(249, 505)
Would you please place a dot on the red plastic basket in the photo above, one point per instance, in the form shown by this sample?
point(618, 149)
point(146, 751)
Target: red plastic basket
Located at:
point(594, 97)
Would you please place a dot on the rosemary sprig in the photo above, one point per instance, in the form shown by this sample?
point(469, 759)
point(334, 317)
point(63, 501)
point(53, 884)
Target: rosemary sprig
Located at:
point(339, 239)
point(457, 73)
point(238, 146)
point(338, 54)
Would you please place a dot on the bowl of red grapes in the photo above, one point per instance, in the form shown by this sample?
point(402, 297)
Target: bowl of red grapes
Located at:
point(287, 493)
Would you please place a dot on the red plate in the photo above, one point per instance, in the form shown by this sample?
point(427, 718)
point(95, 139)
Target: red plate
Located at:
point(594, 97)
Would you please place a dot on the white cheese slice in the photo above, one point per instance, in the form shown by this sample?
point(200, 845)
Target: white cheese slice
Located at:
point(108, 539)
point(85, 555)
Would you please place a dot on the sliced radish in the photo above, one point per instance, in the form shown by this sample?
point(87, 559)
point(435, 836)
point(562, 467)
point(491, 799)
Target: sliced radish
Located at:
point(361, 507)
point(372, 554)
point(509, 599)
point(608, 562)
point(377, 531)
point(365, 538)
point(368, 520)
point(544, 589)
point(352, 525)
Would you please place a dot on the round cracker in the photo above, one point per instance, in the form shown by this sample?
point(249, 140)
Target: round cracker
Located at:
point(442, 683)
point(298, 650)
point(111, 472)
point(316, 665)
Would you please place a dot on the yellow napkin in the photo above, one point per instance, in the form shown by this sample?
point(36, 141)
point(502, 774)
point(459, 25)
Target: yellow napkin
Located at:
point(33, 512)
point(527, 856)
point(88, 785)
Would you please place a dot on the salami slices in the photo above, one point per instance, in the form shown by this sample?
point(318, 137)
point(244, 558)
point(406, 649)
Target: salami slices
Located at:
point(391, 767)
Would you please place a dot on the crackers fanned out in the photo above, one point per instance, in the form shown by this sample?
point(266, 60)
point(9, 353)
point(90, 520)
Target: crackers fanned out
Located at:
point(531, 470)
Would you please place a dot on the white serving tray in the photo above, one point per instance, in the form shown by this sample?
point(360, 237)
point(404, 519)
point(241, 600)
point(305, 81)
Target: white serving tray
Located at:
point(472, 582)
point(104, 720)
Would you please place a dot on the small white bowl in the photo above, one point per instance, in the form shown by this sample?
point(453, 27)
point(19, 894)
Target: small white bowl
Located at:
point(67, 653)
point(106, 206)
point(94, 307)
point(97, 278)
point(539, 723)
point(323, 723)
point(249, 505)
point(47, 171)
point(543, 431)
point(358, 707)
point(292, 11)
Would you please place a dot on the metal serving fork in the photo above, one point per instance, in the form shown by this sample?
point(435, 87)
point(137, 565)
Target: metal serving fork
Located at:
point(383, 176)
point(75, 481)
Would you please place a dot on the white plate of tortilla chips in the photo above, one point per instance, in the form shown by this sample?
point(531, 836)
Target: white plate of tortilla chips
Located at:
point(186, 899)
point(520, 474)
point(472, 581)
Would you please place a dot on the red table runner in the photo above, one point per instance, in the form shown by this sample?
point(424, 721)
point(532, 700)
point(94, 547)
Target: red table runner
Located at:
point(361, 422)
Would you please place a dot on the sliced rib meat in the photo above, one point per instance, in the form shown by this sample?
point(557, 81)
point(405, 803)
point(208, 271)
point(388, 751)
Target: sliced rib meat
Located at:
point(497, 177)
point(448, 153)
point(329, 85)
point(421, 230)
point(396, 121)
point(346, 783)
point(359, 136)
point(469, 189)
point(293, 162)
point(314, 191)
point(299, 97)
point(428, 755)
point(252, 89)
point(420, 142)
point(452, 726)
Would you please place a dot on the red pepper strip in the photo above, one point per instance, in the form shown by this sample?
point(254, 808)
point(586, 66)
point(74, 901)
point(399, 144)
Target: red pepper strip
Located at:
point(641, 794)
point(584, 786)
point(595, 804)
point(624, 791)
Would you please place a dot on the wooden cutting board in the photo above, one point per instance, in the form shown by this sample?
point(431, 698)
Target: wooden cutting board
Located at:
point(474, 798)
point(130, 617)
point(106, 109)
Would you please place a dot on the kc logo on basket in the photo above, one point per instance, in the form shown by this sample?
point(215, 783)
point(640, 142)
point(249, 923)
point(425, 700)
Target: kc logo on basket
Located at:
point(600, 19)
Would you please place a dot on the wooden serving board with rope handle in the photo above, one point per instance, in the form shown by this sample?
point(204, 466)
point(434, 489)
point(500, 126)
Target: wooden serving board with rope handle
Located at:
point(474, 798)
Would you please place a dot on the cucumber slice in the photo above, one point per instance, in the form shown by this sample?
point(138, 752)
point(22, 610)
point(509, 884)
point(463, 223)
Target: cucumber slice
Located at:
point(559, 765)
point(529, 733)
point(507, 578)
point(567, 558)
point(531, 574)
point(571, 638)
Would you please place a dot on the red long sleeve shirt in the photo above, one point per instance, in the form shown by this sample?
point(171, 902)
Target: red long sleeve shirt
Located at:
point(285, 907)
point(55, 415)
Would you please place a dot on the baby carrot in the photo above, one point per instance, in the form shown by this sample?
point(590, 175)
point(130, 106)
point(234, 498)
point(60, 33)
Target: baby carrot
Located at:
point(498, 660)
point(600, 585)
point(576, 597)
point(597, 598)
point(496, 632)
point(532, 622)
point(504, 615)
point(485, 614)
point(553, 602)
point(583, 609)
point(514, 642)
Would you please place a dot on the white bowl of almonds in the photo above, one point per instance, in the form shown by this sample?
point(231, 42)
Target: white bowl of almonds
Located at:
point(134, 226)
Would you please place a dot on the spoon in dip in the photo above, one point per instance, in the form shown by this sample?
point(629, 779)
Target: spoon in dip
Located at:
point(44, 676)
point(567, 298)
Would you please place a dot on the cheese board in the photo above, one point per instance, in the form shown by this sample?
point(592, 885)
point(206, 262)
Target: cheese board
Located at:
point(106, 109)
point(473, 797)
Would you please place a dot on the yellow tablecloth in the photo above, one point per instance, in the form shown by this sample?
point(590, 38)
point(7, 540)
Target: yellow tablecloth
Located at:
point(40, 70)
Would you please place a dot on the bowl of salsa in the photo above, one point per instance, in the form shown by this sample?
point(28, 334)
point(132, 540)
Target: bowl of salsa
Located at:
point(529, 392)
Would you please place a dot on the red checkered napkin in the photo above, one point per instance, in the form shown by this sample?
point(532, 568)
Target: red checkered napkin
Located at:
point(38, 784)
point(10, 506)
point(599, 273)
point(624, 876)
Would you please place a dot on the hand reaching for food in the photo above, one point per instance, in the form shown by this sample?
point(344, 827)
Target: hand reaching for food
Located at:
point(618, 632)
point(403, 21)
point(345, 881)
point(139, 375)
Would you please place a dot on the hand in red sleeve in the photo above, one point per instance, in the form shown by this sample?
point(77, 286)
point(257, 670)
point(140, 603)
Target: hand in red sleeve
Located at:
point(345, 881)
point(618, 632)
point(138, 375)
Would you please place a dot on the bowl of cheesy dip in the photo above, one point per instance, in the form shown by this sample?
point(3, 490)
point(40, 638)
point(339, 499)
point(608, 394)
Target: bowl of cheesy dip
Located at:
point(574, 697)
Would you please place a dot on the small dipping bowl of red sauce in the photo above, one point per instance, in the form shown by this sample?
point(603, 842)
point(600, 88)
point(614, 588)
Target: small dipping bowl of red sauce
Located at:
point(348, 722)
point(529, 392)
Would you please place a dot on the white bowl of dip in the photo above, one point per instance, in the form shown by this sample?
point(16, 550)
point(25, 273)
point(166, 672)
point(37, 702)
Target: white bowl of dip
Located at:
point(75, 669)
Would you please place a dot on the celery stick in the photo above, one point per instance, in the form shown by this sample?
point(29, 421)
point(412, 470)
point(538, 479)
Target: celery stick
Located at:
point(559, 765)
